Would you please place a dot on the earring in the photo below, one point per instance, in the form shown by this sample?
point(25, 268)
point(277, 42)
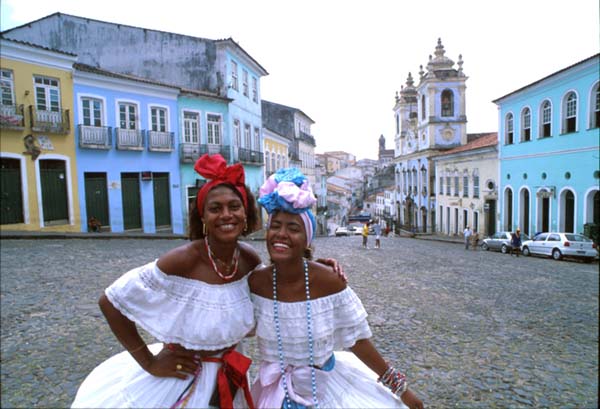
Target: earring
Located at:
point(245, 225)
point(204, 230)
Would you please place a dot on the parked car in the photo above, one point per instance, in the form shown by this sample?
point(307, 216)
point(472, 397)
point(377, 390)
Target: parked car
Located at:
point(342, 231)
point(355, 230)
point(501, 241)
point(559, 245)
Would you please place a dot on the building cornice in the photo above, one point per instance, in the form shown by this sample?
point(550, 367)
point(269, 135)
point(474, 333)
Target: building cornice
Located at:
point(36, 55)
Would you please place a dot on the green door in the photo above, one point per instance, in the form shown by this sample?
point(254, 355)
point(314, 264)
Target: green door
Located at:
point(130, 193)
point(53, 178)
point(96, 197)
point(11, 196)
point(162, 202)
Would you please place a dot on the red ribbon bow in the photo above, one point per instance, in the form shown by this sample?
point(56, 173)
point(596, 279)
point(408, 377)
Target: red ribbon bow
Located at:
point(216, 170)
point(233, 370)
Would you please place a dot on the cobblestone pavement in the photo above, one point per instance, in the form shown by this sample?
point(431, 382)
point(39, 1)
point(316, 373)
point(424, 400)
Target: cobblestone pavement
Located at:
point(471, 329)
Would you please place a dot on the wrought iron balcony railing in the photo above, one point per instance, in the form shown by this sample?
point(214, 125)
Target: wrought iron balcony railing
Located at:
point(189, 152)
point(94, 137)
point(12, 117)
point(161, 141)
point(129, 139)
point(50, 121)
point(211, 149)
point(250, 156)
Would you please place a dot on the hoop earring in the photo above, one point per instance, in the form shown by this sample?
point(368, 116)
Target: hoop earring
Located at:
point(204, 230)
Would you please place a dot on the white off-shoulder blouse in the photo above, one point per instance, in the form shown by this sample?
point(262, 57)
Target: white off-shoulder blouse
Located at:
point(192, 313)
point(338, 322)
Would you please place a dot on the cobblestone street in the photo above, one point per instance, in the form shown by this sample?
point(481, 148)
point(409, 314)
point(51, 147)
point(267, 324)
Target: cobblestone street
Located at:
point(471, 329)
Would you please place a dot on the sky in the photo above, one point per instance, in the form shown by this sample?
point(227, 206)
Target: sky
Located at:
point(342, 62)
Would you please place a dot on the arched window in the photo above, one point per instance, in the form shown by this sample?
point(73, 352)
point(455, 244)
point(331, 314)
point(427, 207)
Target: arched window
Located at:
point(509, 130)
point(595, 108)
point(465, 183)
point(447, 103)
point(267, 164)
point(476, 183)
point(569, 122)
point(456, 183)
point(423, 107)
point(546, 119)
point(525, 125)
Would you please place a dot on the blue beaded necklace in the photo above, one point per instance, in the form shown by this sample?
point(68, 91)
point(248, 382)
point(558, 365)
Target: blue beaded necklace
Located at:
point(310, 337)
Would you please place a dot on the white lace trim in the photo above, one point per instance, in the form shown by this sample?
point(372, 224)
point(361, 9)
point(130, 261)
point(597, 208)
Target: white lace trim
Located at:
point(180, 310)
point(338, 321)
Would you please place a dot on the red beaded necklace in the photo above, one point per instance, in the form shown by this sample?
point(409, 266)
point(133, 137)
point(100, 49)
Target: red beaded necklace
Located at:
point(234, 261)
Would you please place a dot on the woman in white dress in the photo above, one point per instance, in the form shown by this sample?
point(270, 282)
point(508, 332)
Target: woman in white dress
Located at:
point(304, 313)
point(195, 300)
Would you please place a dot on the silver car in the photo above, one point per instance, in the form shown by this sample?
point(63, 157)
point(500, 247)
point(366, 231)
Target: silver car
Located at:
point(559, 245)
point(501, 241)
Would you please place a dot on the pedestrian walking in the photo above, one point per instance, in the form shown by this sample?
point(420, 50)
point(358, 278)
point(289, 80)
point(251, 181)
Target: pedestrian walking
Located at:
point(365, 235)
point(377, 229)
point(467, 235)
point(195, 300)
point(515, 243)
point(306, 316)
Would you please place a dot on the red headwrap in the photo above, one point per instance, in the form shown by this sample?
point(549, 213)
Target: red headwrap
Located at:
point(216, 170)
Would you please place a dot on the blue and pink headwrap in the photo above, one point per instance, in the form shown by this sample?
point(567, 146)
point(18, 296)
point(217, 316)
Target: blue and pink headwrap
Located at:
point(288, 190)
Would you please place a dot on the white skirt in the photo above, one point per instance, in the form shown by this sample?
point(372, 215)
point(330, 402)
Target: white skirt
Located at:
point(119, 382)
point(351, 384)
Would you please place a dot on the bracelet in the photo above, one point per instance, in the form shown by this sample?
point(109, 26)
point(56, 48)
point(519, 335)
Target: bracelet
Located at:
point(131, 351)
point(394, 380)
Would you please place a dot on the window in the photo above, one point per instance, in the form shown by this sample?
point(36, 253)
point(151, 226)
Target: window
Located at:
point(570, 113)
point(234, 75)
point(47, 94)
point(257, 139)
point(254, 89)
point(475, 184)
point(455, 184)
point(247, 140)
point(526, 125)
point(92, 111)
point(508, 140)
point(595, 122)
point(158, 118)
point(127, 116)
point(447, 103)
point(214, 129)
point(273, 164)
point(191, 127)
point(7, 86)
point(397, 124)
point(245, 82)
point(422, 106)
point(448, 185)
point(465, 184)
point(441, 185)
point(237, 133)
point(267, 163)
point(546, 120)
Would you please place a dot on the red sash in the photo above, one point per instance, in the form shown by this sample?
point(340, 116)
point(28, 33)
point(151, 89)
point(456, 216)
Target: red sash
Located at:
point(233, 370)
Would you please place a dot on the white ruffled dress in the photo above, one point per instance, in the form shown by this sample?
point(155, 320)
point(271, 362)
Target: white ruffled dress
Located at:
point(338, 322)
point(173, 309)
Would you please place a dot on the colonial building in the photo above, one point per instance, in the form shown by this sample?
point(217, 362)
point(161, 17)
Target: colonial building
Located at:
point(430, 118)
point(385, 156)
point(467, 180)
point(194, 64)
point(38, 171)
point(549, 143)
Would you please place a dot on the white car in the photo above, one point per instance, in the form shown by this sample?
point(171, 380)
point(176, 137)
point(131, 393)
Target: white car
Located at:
point(342, 231)
point(559, 245)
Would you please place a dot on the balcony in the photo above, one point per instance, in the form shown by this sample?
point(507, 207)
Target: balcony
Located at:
point(213, 149)
point(249, 156)
point(160, 141)
point(189, 152)
point(12, 117)
point(94, 137)
point(307, 138)
point(57, 122)
point(129, 139)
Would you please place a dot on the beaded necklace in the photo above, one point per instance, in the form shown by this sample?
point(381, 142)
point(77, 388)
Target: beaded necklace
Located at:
point(310, 337)
point(236, 257)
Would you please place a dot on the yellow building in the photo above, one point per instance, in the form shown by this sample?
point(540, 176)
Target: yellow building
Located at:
point(37, 142)
point(275, 148)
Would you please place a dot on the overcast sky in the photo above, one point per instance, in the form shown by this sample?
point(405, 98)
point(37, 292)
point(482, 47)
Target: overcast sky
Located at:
point(341, 62)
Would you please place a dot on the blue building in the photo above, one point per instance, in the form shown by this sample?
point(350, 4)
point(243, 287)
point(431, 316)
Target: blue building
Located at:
point(549, 151)
point(127, 151)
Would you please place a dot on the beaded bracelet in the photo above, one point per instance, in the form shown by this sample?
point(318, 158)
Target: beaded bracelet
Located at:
point(394, 380)
point(131, 351)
